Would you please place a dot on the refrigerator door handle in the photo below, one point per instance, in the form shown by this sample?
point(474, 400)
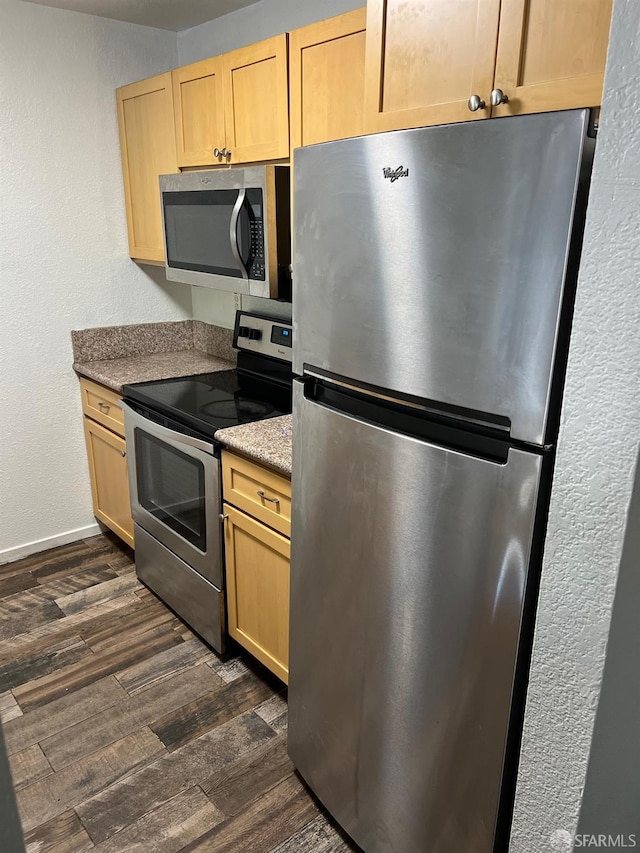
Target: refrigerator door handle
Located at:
point(427, 427)
point(465, 417)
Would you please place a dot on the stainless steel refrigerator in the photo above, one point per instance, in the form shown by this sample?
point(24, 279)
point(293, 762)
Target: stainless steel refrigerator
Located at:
point(434, 276)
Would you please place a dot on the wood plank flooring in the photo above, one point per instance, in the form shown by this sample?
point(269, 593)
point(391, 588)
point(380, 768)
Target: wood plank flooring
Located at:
point(126, 733)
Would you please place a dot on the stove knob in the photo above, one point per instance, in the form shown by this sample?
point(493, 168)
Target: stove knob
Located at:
point(252, 334)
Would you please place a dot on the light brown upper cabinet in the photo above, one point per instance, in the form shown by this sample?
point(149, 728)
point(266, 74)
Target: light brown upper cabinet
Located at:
point(551, 54)
point(439, 61)
point(256, 101)
point(424, 59)
point(147, 143)
point(233, 108)
point(198, 103)
point(326, 79)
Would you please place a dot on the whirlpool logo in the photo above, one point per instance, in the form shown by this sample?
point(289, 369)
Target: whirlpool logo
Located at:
point(393, 174)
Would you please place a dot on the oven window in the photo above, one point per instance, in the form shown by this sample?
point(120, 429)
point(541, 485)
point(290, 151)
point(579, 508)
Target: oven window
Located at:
point(197, 227)
point(171, 487)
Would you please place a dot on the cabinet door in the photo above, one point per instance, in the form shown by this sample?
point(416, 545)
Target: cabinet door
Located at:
point(424, 60)
point(256, 101)
point(199, 112)
point(109, 479)
point(551, 54)
point(257, 564)
point(326, 84)
point(147, 142)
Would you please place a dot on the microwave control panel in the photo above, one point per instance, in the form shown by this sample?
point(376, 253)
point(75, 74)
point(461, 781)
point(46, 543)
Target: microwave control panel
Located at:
point(255, 207)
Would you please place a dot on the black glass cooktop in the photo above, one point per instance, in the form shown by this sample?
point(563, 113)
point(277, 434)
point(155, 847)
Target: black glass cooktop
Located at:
point(212, 401)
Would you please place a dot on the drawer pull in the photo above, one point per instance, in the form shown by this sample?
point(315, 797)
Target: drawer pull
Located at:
point(264, 497)
point(103, 407)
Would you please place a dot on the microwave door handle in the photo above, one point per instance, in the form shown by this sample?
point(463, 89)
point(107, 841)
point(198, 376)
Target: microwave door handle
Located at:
point(233, 232)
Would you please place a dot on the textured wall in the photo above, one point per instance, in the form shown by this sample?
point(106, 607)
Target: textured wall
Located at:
point(610, 803)
point(597, 450)
point(63, 247)
point(262, 20)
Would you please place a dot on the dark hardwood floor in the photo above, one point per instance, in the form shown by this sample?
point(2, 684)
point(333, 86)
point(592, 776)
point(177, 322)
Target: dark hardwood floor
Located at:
point(126, 733)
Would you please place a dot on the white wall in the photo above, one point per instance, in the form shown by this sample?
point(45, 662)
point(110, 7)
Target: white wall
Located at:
point(597, 451)
point(237, 29)
point(63, 249)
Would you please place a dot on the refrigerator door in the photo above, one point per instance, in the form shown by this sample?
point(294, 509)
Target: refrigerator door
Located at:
point(432, 262)
point(409, 565)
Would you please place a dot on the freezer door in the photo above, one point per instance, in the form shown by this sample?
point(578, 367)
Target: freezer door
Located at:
point(432, 262)
point(409, 565)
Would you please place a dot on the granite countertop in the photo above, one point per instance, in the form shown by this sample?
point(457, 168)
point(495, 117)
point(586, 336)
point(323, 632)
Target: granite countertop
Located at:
point(116, 372)
point(267, 442)
point(118, 355)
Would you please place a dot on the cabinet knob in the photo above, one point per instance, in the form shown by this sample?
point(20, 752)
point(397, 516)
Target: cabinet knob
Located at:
point(498, 97)
point(216, 152)
point(104, 408)
point(476, 103)
point(223, 516)
point(225, 153)
point(123, 453)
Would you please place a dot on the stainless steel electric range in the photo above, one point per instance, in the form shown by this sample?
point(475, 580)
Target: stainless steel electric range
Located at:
point(174, 467)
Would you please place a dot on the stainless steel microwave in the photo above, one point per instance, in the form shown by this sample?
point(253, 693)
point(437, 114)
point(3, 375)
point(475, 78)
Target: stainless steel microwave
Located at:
point(229, 229)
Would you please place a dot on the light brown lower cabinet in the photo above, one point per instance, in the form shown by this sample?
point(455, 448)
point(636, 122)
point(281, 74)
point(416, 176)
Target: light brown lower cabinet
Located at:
point(107, 454)
point(257, 572)
point(109, 481)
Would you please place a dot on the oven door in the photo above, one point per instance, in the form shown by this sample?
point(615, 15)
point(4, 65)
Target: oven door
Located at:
point(175, 492)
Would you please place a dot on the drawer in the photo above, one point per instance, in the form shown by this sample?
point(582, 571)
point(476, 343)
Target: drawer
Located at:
point(103, 405)
point(258, 491)
point(194, 598)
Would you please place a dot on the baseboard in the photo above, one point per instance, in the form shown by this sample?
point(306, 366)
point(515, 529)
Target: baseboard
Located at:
point(10, 555)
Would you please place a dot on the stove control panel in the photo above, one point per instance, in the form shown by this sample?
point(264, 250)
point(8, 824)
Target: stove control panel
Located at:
point(263, 335)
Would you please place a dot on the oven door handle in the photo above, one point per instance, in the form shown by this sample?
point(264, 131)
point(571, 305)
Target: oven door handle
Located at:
point(233, 232)
point(176, 439)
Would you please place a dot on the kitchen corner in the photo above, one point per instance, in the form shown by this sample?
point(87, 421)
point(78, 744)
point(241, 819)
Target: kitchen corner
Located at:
point(183, 359)
point(115, 356)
